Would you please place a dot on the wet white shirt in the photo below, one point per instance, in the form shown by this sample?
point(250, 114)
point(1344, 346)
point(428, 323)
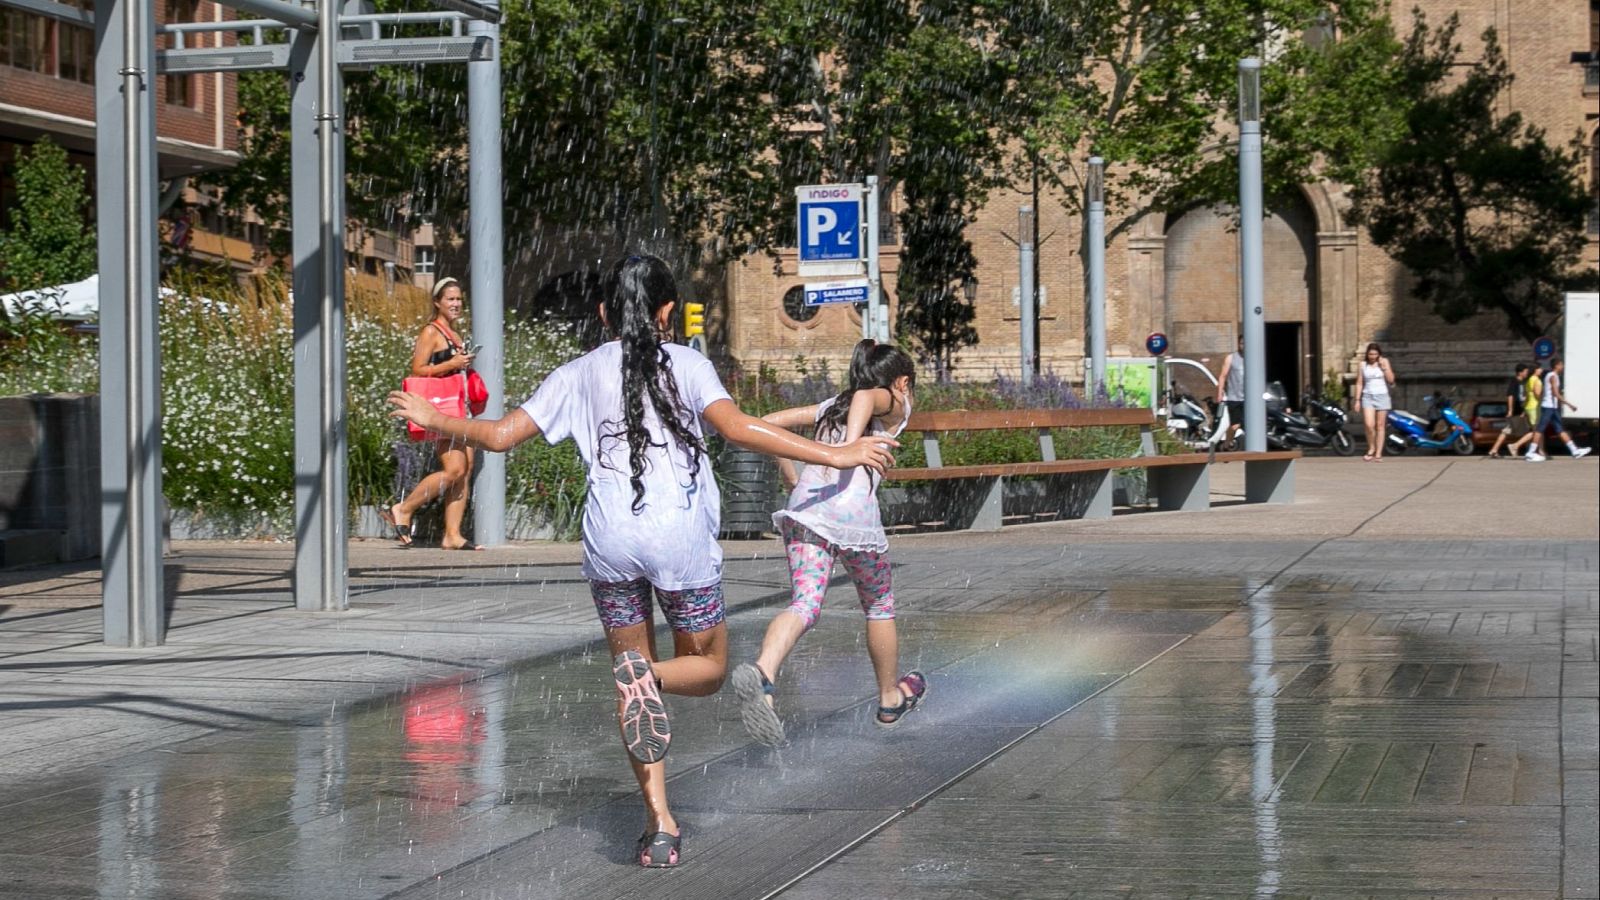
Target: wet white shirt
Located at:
point(672, 540)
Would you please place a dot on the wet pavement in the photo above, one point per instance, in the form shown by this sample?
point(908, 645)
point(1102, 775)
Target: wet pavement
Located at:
point(1332, 714)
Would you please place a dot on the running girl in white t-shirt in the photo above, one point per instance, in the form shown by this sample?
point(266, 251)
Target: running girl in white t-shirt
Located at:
point(833, 515)
point(638, 408)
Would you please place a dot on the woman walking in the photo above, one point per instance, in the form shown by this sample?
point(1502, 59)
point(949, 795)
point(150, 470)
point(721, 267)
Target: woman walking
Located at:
point(833, 515)
point(638, 408)
point(439, 351)
point(1373, 402)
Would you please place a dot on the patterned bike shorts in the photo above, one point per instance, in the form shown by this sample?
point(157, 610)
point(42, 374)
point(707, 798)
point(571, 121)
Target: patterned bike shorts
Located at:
point(625, 603)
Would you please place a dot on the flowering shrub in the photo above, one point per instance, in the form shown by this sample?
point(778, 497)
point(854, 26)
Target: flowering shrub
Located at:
point(227, 396)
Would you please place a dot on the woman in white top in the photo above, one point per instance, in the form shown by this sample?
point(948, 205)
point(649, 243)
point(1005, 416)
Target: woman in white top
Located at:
point(833, 515)
point(638, 409)
point(1372, 400)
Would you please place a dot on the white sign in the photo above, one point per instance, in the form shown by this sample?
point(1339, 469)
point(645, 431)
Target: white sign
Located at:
point(856, 290)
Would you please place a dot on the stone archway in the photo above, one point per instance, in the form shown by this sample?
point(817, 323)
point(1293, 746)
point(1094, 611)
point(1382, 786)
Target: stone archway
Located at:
point(1200, 288)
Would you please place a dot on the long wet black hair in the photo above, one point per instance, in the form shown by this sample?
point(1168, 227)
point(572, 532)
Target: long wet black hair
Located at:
point(872, 365)
point(634, 291)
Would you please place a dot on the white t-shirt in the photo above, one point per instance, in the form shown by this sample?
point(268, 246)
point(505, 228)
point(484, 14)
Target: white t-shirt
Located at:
point(672, 541)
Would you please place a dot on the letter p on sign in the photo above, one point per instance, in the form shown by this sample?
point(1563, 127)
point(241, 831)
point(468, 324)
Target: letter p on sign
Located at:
point(820, 220)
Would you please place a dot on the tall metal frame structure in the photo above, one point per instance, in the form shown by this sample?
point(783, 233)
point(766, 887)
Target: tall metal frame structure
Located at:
point(321, 43)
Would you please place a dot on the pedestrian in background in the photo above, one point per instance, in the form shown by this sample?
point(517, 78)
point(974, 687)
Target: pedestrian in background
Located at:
point(1517, 429)
point(1230, 388)
point(1551, 402)
point(1373, 402)
point(439, 351)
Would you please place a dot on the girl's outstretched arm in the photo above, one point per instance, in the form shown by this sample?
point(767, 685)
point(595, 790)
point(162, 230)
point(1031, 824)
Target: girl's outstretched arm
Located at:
point(498, 435)
point(791, 418)
point(751, 433)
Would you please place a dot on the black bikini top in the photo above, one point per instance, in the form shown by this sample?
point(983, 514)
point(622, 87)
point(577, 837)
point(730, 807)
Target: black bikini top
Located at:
point(450, 350)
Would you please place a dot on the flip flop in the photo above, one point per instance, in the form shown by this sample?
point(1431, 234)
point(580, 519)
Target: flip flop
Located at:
point(467, 546)
point(402, 533)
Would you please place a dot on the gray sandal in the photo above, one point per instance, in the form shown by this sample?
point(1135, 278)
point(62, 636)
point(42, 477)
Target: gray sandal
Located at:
point(753, 688)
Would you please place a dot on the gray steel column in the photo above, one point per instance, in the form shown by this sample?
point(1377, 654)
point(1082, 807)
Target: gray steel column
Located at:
point(1251, 274)
point(130, 367)
point(487, 276)
point(876, 325)
point(317, 195)
point(1096, 237)
point(1025, 288)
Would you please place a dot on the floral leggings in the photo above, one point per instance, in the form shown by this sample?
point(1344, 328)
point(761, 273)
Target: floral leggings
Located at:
point(811, 561)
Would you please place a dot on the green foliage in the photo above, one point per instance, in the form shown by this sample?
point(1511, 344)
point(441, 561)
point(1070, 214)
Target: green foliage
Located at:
point(50, 241)
point(1333, 390)
point(1483, 211)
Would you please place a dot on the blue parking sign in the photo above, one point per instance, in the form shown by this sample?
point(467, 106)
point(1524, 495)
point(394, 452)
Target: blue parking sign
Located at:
point(829, 224)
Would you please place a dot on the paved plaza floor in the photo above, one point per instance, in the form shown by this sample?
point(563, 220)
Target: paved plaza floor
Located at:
point(1386, 690)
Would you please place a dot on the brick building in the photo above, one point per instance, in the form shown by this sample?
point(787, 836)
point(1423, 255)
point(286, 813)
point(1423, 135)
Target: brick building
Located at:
point(1328, 289)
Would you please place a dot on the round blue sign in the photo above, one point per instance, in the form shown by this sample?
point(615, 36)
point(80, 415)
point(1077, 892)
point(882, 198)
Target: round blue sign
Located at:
point(1156, 344)
point(1544, 348)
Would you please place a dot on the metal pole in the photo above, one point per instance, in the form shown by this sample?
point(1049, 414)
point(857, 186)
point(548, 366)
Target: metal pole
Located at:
point(306, 236)
point(876, 325)
point(1251, 273)
point(287, 13)
point(130, 425)
point(1025, 288)
point(487, 274)
point(330, 187)
point(1096, 238)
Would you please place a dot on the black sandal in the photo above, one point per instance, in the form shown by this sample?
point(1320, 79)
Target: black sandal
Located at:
point(402, 533)
point(659, 850)
point(913, 687)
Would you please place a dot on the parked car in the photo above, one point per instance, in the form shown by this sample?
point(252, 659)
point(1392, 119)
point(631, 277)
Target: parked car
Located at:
point(1488, 417)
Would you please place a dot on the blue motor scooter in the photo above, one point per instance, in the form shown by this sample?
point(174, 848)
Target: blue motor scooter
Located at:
point(1442, 430)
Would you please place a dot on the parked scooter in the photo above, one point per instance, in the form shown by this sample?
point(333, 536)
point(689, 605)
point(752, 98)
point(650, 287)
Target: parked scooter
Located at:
point(1290, 430)
point(1197, 427)
point(1442, 430)
point(1330, 420)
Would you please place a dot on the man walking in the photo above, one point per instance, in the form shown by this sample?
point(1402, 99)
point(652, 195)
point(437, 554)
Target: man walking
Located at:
point(1551, 402)
point(1517, 428)
point(1230, 388)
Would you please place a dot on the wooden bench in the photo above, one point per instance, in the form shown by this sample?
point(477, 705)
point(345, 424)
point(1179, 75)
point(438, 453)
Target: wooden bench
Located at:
point(1179, 481)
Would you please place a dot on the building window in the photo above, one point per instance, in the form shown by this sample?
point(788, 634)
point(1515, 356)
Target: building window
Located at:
point(795, 309)
point(181, 89)
point(76, 45)
point(424, 261)
point(24, 40)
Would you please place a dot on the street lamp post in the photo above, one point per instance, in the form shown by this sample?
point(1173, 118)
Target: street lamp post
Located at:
point(1025, 288)
point(1096, 239)
point(1250, 256)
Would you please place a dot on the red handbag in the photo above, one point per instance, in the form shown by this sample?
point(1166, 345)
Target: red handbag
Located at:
point(477, 393)
point(448, 395)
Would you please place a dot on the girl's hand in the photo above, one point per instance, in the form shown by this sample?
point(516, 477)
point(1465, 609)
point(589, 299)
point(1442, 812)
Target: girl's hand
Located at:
point(412, 407)
point(876, 453)
point(463, 361)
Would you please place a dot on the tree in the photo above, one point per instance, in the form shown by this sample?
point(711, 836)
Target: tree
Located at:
point(50, 241)
point(1482, 210)
point(1152, 86)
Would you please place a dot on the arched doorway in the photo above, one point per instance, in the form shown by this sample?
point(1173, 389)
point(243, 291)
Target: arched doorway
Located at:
point(1201, 309)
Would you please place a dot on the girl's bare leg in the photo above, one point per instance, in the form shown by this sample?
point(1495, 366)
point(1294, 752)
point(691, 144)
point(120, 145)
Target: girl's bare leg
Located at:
point(883, 645)
point(696, 670)
point(1383, 427)
point(783, 632)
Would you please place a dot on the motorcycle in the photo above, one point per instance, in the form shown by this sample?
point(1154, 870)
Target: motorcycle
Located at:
point(1442, 429)
point(1290, 430)
point(1197, 427)
point(1331, 421)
